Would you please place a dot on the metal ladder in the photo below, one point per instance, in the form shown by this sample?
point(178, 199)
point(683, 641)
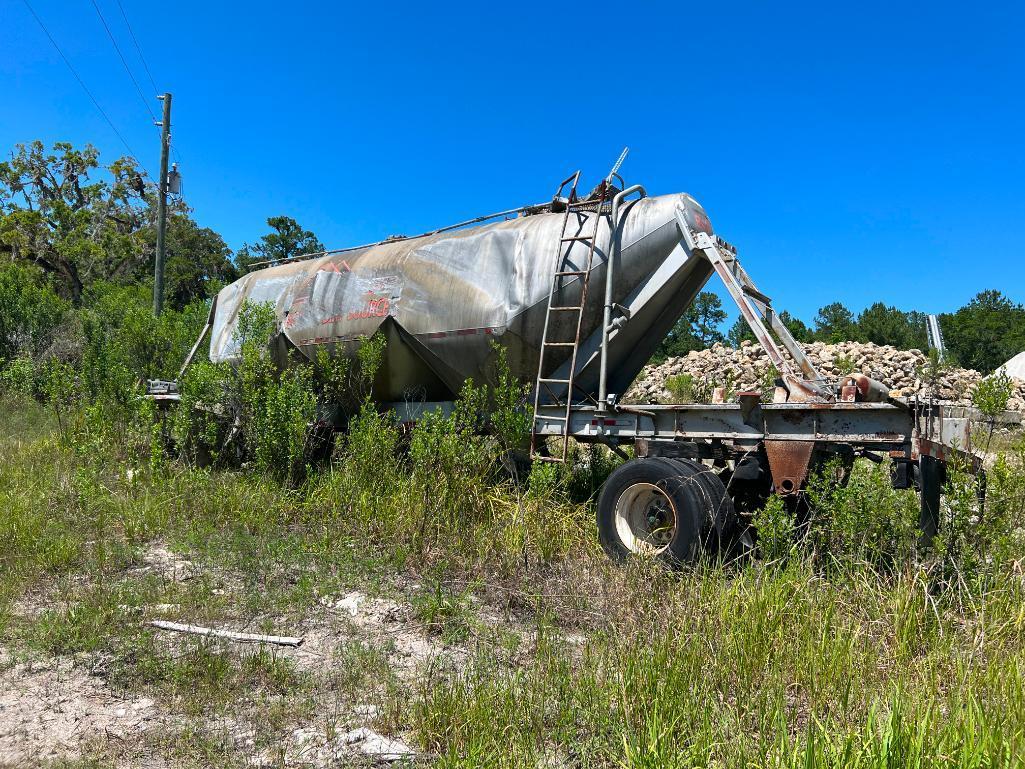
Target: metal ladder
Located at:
point(564, 271)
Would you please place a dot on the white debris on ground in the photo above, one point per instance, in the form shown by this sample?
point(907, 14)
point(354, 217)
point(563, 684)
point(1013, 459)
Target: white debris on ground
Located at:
point(313, 747)
point(172, 566)
point(51, 710)
point(389, 624)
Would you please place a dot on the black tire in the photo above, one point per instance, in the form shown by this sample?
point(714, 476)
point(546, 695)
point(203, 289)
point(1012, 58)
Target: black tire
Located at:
point(657, 508)
point(721, 516)
point(727, 533)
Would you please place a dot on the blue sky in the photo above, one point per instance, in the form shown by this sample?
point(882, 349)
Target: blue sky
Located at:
point(863, 153)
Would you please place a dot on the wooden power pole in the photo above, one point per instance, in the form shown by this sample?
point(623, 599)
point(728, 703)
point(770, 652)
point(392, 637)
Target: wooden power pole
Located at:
point(158, 266)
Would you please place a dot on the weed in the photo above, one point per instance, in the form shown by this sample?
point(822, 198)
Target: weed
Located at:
point(682, 388)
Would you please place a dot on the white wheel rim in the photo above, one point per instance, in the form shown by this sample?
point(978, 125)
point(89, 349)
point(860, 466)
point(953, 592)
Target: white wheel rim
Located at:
point(645, 519)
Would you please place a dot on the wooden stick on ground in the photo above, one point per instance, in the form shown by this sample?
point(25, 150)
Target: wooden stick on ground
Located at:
point(231, 635)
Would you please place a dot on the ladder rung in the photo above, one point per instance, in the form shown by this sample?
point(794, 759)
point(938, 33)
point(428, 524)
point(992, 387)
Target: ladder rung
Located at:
point(555, 419)
point(567, 308)
point(576, 237)
point(561, 344)
point(558, 381)
point(557, 460)
point(570, 272)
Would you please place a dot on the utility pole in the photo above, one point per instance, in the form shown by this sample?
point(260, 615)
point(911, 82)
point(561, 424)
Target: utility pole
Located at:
point(158, 267)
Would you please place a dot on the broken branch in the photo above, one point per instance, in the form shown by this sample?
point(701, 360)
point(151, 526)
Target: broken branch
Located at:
point(231, 635)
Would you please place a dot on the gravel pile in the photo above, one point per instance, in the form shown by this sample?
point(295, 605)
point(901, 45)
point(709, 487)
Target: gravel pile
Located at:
point(747, 368)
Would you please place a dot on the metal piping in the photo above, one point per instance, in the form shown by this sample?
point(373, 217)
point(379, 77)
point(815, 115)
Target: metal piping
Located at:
point(609, 269)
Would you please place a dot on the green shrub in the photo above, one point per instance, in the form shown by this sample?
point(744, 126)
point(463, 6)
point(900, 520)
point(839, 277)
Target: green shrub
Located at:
point(844, 364)
point(776, 529)
point(18, 377)
point(30, 310)
point(857, 515)
point(682, 388)
point(280, 428)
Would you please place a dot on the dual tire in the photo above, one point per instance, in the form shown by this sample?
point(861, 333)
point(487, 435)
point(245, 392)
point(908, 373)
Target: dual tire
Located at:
point(673, 510)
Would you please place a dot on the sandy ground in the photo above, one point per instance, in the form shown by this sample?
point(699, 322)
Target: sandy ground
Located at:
point(57, 709)
point(52, 710)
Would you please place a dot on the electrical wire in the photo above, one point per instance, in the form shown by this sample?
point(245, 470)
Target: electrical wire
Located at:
point(138, 47)
point(121, 56)
point(85, 88)
point(145, 66)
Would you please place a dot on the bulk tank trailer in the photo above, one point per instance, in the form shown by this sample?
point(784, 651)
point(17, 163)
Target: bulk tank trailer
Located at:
point(580, 292)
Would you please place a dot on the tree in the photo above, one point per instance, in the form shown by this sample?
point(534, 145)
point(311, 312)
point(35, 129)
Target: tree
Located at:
point(286, 240)
point(29, 310)
point(697, 329)
point(198, 261)
point(74, 229)
point(706, 315)
point(882, 325)
point(741, 331)
point(986, 332)
point(80, 231)
point(834, 323)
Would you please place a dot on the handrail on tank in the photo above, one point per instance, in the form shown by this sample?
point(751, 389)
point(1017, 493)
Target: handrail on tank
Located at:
point(607, 318)
point(450, 227)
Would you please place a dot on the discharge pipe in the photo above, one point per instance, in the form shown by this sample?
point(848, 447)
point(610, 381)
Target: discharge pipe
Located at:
point(606, 326)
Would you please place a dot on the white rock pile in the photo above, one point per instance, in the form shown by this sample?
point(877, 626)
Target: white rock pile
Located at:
point(748, 368)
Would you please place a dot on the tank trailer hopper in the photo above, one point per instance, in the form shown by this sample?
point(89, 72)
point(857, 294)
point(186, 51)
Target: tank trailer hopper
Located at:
point(443, 299)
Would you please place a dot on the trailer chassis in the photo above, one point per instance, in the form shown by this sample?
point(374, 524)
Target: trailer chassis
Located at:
point(696, 467)
point(773, 448)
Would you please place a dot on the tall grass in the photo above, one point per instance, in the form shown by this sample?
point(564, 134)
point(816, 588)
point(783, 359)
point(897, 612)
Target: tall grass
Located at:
point(831, 656)
point(844, 645)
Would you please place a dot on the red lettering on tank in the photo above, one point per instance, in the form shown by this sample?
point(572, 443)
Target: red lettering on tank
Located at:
point(375, 308)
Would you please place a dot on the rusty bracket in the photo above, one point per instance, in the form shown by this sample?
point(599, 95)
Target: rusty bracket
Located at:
point(788, 463)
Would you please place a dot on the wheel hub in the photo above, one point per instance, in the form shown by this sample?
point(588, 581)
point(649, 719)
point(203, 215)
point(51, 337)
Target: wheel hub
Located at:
point(645, 519)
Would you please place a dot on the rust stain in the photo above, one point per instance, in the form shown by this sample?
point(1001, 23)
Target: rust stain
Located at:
point(788, 463)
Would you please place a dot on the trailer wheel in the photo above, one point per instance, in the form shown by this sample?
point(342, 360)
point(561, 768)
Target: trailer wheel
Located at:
point(721, 516)
point(656, 508)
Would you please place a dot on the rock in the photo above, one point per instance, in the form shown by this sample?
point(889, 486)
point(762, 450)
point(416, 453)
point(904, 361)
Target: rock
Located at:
point(370, 743)
point(745, 368)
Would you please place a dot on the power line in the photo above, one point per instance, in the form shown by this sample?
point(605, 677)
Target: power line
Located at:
point(121, 56)
point(138, 47)
point(85, 88)
point(146, 66)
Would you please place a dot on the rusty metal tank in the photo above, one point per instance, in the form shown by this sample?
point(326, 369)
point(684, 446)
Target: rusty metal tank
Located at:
point(442, 299)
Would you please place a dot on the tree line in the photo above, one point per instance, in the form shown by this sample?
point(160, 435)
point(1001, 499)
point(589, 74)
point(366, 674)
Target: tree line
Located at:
point(80, 223)
point(73, 231)
point(77, 245)
point(983, 334)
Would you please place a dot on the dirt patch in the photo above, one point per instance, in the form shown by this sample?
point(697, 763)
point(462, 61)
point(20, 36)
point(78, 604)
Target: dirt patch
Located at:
point(52, 710)
point(174, 567)
point(380, 622)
